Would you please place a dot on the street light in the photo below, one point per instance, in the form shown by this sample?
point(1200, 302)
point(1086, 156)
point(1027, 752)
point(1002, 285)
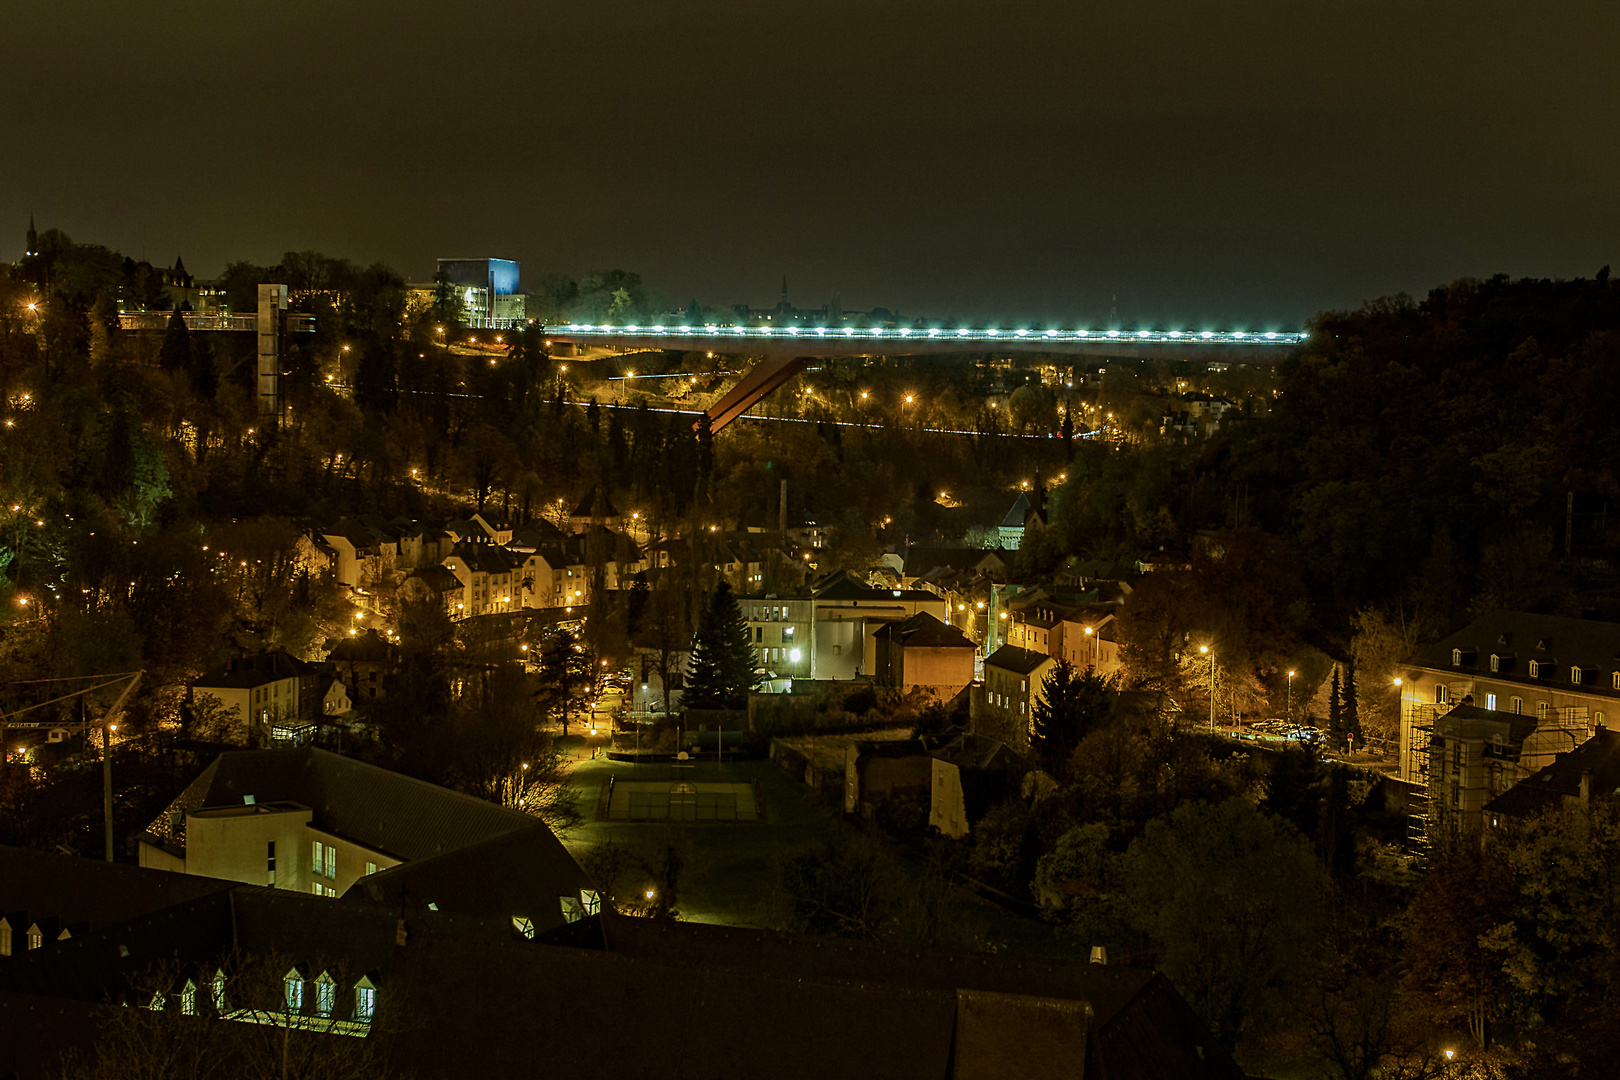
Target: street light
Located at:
point(1205, 649)
point(1289, 703)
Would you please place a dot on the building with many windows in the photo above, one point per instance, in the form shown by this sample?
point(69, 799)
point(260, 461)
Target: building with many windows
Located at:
point(1546, 667)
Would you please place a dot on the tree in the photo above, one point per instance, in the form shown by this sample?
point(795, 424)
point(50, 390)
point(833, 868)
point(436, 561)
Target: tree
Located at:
point(1230, 897)
point(1071, 705)
point(1467, 893)
point(1336, 708)
point(723, 667)
point(176, 352)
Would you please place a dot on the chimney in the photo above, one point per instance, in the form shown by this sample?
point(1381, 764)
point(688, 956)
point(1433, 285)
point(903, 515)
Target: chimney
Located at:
point(1099, 954)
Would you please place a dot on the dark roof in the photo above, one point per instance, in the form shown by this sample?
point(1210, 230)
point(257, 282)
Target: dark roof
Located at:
point(440, 579)
point(920, 560)
point(1597, 760)
point(246, 672)
point(520, 873)
point(843, 586)
point(1561, 641)
point(1012, 658)
point(1016, 516)
point(974, 751)
point(91, 891)
point(487, 558)
point(1473, 722)
point(596, 504)
point(368, 647)
point(923, 631)
point(384, 810)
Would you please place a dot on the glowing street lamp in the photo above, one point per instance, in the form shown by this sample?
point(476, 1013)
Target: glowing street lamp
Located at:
point(1289, 702)
point(1205, 649)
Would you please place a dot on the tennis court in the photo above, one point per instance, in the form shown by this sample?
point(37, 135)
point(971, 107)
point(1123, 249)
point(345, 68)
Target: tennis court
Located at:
point(679, 800)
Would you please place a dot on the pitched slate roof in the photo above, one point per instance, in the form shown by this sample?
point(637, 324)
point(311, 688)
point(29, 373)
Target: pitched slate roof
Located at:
point(1560, 641)
point(486, 558)
point(91, 890)
point(923, 631)
point(1012, 658)
point(1016, 516)
point(246, 672)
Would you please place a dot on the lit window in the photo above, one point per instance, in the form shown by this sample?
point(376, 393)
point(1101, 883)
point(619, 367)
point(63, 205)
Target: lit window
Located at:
point(188, 998)
point(1490, 701)
point(1496, 662)
point(331, 861)
point(572, 911)
point(591, 900)
point(5, 939)
point(1542, 709)
point(371, 868)
point(315, 887)
point(293, 990)
point(217, 987)
point(523, 926)
point(158, 1002)
point(316, 859)
point(35, 938)
point(365, 1001)
point(1456, 657)
point(1439, 693)
point(1575, 676)
point(1597, 718)
point(325, 995)
point(1516, 705)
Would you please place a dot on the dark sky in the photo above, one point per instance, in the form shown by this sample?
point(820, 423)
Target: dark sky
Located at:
point(1244, 161)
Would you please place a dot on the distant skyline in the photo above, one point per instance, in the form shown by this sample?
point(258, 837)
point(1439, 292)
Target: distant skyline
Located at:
point(1201, 162)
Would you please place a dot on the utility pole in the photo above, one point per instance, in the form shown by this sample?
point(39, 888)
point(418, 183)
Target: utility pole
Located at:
point(107, 727)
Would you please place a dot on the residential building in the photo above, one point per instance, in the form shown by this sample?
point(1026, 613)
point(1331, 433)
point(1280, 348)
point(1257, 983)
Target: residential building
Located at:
point(924, 653)
point(881, 769)
point(781, 631)
point(848, 614)
point(363, 662)
point(1590, 770)
point(1004, 707)
point(1507, 661)
point(490, 579)
point(1474, 755)
point(268, 697)
point(969, 774)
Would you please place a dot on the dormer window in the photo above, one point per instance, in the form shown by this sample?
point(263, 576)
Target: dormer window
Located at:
point(1535, 669)
point(292, 986)
point(36, 938)
point(325, 995)
point(365, 1000)
point(1575, 676)
point(1496, 662)
point(1544, 644)
point(5, 938)
point(1614, 680)
point(188, 998)
point(1456, 658)
point(217, 987)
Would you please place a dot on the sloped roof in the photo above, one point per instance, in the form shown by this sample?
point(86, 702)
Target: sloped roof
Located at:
point(486, 558)
point(366, 648)
point(1583, 643)
point(1597, 759)
point(439, 578)
point(91, 890)
point(596, 503)
point(1019, 512)
point(246, 672)
point(384, 810)
point(923, 631)
point(1012, 658)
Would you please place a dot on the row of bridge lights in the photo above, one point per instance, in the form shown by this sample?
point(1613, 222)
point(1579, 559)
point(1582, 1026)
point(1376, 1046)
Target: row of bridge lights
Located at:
point(936, 332)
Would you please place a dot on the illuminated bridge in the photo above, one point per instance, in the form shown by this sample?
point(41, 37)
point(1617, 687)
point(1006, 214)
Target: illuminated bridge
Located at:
point(786, 350)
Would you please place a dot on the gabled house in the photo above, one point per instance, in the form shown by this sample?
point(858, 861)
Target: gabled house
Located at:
point(489, 577)
point(362, 662)
point(1012, 684)
point(922, 652)
point(970, 774)
point(268, 697)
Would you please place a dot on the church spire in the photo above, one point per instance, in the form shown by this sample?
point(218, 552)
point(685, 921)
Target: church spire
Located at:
point(33, 237)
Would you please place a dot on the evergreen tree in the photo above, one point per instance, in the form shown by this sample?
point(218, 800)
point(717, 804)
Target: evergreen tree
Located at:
point(1072, 704)
point(1351, 717)
point(1336, 706)
point(723, 666)
point(176, 352)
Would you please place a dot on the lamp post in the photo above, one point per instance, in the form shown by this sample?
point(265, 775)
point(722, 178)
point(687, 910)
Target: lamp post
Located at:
point(1289, 702)
point(1205, 649)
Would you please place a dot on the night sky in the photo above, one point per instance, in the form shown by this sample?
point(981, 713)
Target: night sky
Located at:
point(1252, 162)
